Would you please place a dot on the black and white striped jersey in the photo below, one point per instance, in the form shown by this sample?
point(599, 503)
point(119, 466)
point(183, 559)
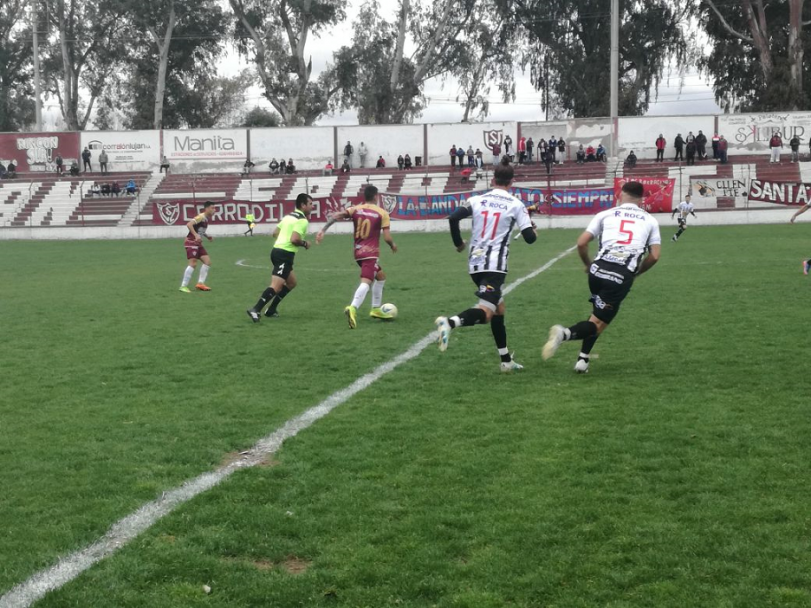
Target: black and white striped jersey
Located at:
point(624, 234)
point(495, 214)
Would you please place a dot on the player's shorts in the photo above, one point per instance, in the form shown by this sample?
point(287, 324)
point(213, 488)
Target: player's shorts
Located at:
point(194, 250)
point(682, 222)
point(489, 287)
point(282, 261)
point(369, 268)
point(609, 284)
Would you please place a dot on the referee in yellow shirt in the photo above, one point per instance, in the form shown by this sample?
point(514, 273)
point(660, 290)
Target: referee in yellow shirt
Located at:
point(290, 237)
point(251, 220)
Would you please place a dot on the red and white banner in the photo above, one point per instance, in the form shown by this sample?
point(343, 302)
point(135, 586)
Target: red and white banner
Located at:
point(37, 151)
point(779, 193)
point(658, 196)
point(179, 212)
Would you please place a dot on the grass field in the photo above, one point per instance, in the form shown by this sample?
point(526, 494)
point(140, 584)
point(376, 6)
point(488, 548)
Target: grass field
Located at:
point(674, 474)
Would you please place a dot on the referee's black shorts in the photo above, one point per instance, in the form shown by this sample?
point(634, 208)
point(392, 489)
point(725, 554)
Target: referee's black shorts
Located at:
point(282, 261)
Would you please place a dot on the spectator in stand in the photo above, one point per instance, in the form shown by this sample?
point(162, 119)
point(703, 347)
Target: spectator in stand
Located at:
point(465, 173)
point(496, 154)
point(522, 150)
point(776, 144)
point(328, 168)
point(453, 156)
point(479, 159)
point(346, 167)
point(74, 168)
point(794, 144)
point(630, 161)
point(362, 152)
point(103, 160)
point(460, 156)
point(400, 162)
point(274, 167)
point(291, 167)
point(508, 145)
point(94, 190)
point(2, 170)
point(530, 149)
point(690, 137)
point(660, 148)
point(548, 162)
point(60, 164)
point(601, 153)
point(246, 167)
point(86, 155)
point(701, 146)
point(471, 156)
point(552, 148)
point(131, 188)
point(106, 189)
point(283, 167)
point(722, 149)
point(679, 145)
point(407, 162)
point(543, 148)
point(591, 155)
point(580, 155)
point(715, 140)
point(11, 170)
point(348, 151)
point(165, 165)
point(691, 150)
point(116, 189)
point(381, 163)
point(561, 150)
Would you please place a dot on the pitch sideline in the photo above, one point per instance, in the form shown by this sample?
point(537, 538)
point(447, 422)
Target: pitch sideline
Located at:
point(124, 530)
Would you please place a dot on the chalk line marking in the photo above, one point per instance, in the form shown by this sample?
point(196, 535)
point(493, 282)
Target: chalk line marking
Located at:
point(126, 529)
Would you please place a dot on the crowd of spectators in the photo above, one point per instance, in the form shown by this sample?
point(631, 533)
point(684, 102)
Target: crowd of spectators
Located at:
point(108, 189)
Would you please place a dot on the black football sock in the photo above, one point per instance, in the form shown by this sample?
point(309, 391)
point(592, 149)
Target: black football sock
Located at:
point(277, 300)
point(678, 234)
point(582, 330)
point(588, 344)
point(471, 316)
point(500, 336)
point(266, 297)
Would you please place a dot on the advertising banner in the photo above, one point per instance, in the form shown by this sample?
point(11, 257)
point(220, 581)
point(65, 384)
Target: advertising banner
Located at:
point(37, 151)
point(126, 150)
point(658, 197)
point(179, 212)
point(781, 193)
point(709, 189)
point(206, 144)
point(747, 133)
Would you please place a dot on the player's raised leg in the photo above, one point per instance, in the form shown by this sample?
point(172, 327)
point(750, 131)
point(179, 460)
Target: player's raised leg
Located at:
point(587, 331)
point(289, 285)
point(367, 275)
point(377, 295)
point(204, 268)
point(499, 329)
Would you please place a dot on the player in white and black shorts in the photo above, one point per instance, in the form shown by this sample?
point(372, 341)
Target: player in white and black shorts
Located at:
point(626, 234)
point(494, 214)
point(684, 209)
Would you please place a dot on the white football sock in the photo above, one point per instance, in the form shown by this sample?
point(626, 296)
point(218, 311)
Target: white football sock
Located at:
point(187, 276)
point(360, 295)
point(377, 293)
point(204, 273)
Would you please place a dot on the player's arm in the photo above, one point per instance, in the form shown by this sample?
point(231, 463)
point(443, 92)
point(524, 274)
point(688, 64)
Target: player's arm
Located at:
point(276, 232)
point(389, 240)
point(527, 226)
point(335, 217)
point(190, 226)
point(583, 247)
point(298, 240)
point(457, 216)
point(800, 212)
point(650, 259)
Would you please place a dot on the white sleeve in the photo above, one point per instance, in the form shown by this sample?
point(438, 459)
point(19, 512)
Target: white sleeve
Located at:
point(521, 216)
point(595, 226)
point(655, 237)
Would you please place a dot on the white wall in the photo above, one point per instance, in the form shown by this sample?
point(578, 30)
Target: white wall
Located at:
point(442, 136)
point(206, 150)
point(309, 147)
point(389, 141)
point(127, 150)
point(639, 133)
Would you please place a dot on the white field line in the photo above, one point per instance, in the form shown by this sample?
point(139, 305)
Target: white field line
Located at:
point(123, 531)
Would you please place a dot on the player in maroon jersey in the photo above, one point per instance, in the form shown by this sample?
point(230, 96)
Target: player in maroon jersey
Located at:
point(369, 219)
point(195, 250)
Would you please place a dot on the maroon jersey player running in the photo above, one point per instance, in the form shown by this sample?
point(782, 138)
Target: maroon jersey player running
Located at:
point(195, 250)
point(369, 219)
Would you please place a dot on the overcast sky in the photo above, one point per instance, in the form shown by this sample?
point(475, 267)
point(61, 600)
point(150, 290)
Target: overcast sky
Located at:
point(694, 97)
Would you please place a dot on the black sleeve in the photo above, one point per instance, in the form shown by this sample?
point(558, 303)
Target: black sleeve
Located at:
point(529, 235)
point(454, 219)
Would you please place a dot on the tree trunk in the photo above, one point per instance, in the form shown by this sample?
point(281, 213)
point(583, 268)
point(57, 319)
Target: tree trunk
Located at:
point(163, 52)
point(760, 36)
point(795, 51)
point(394, 81)
point(69, 97)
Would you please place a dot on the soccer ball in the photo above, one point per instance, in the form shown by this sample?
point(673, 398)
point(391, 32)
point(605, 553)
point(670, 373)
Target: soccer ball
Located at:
point(389, 309)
